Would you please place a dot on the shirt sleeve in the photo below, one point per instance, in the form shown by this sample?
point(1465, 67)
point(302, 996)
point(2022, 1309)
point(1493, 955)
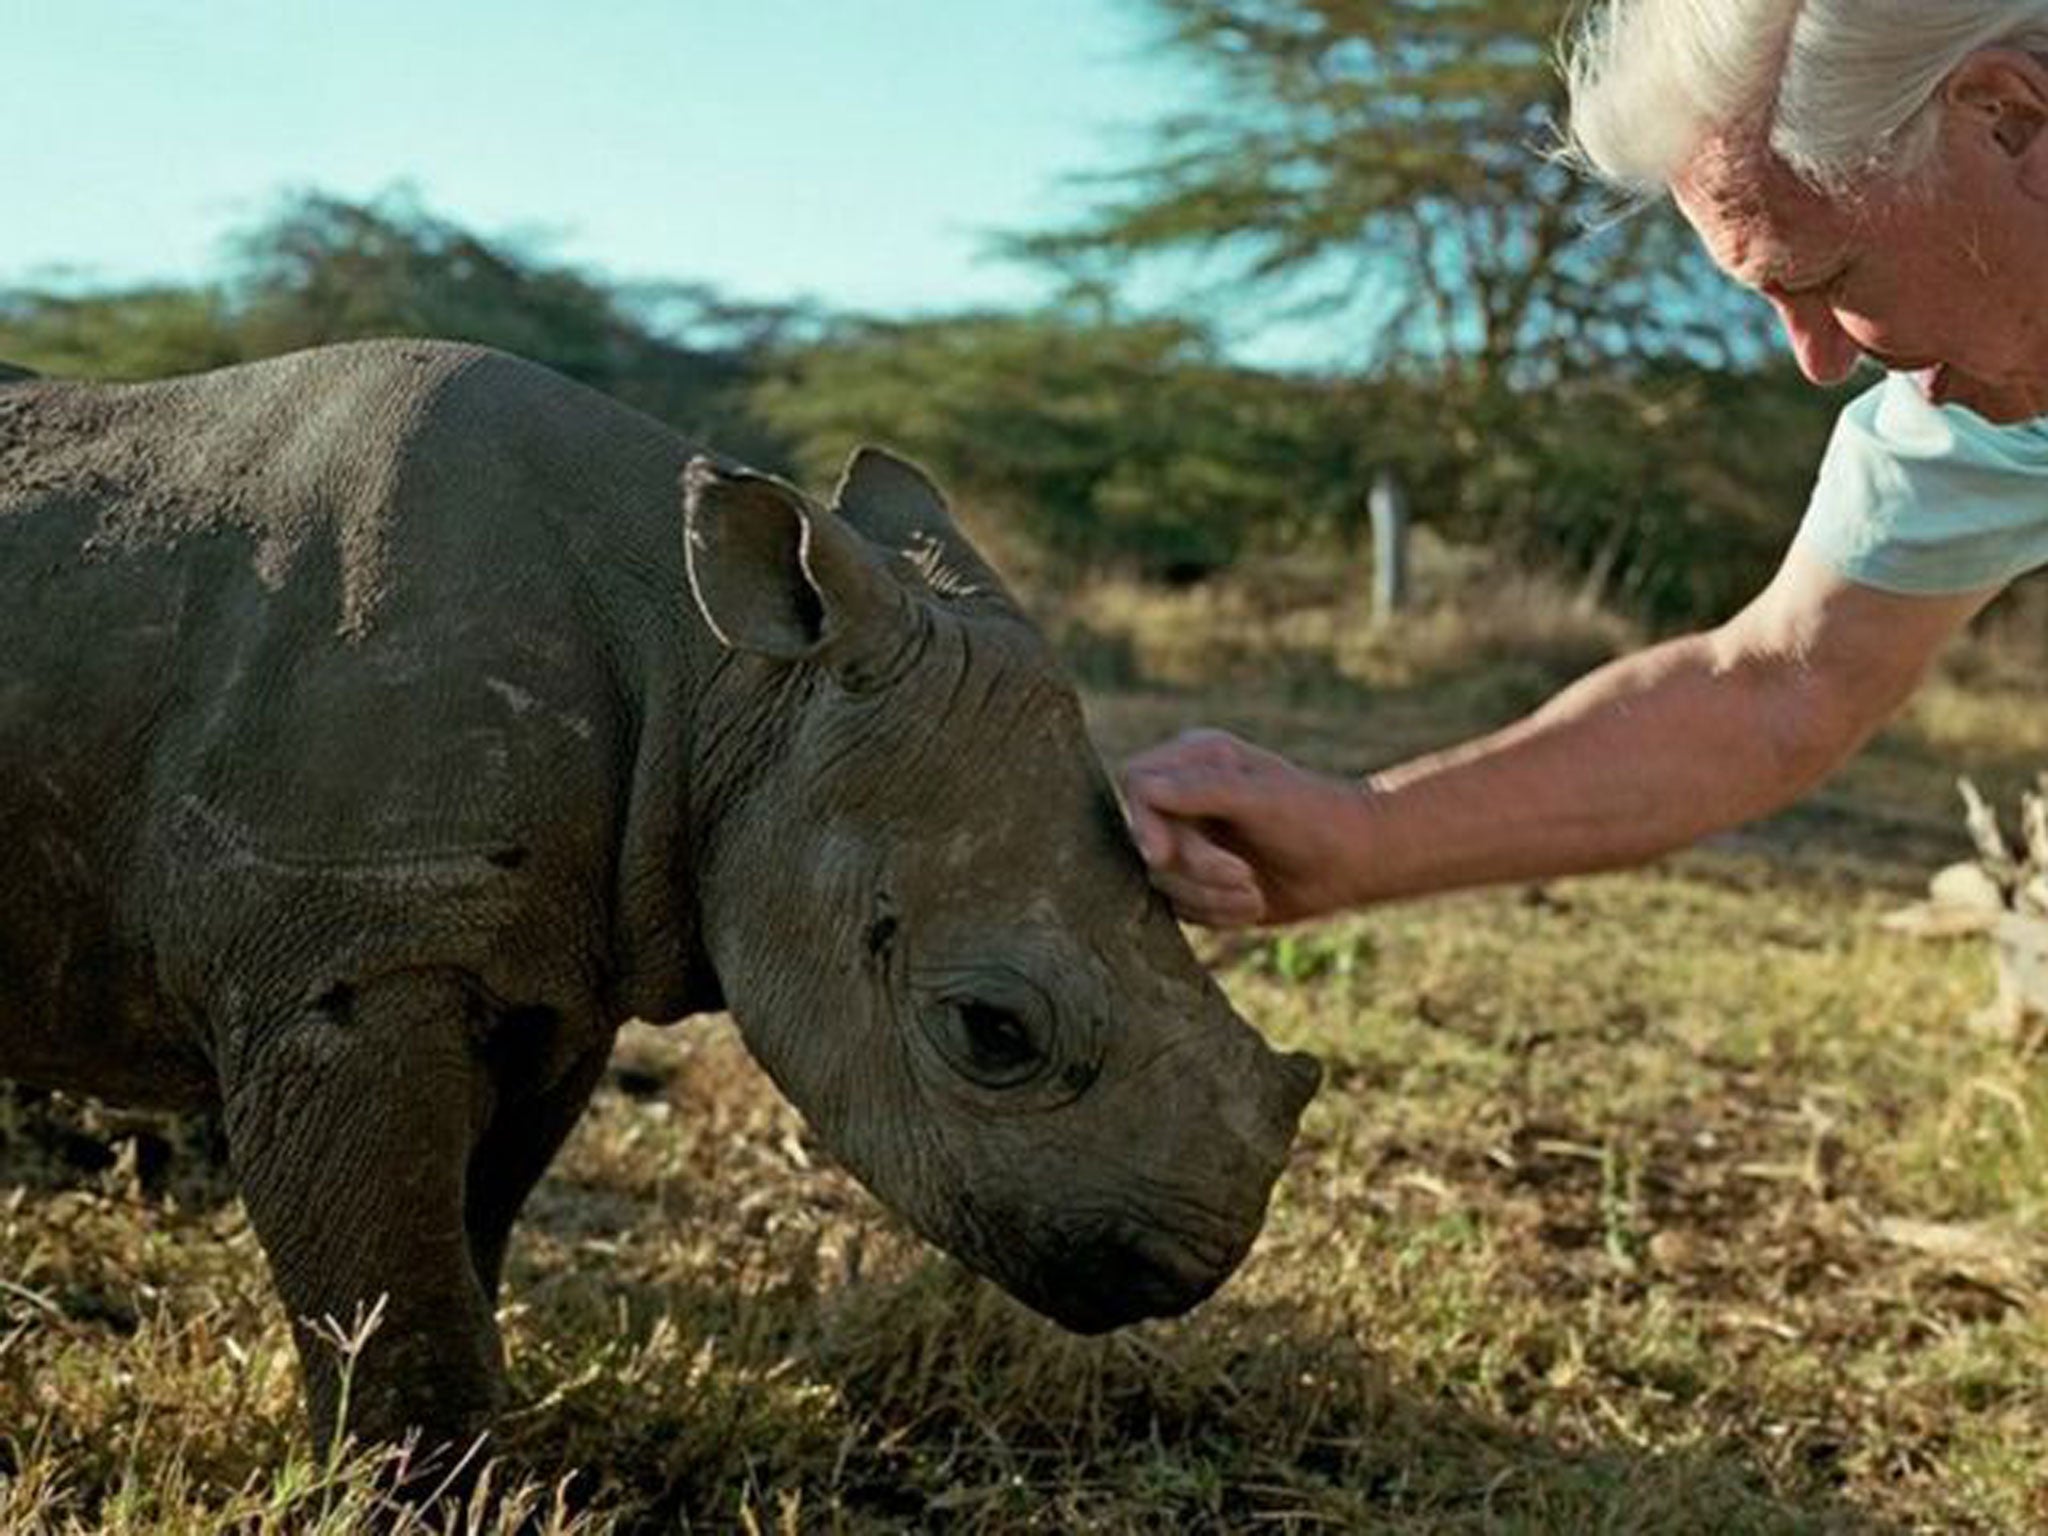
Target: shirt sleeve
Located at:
point(1919, 498)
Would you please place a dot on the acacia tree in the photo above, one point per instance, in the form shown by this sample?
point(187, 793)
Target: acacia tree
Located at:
point(1558, 375)
point(1391, 166)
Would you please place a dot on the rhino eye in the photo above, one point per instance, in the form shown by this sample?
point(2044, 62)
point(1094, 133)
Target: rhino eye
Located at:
point(989, 1043)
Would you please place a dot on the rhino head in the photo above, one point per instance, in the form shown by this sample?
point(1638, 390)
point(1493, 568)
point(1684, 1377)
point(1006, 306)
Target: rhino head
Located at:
point(931, 926)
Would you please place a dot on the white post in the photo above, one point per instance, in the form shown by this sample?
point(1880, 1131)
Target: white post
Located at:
point(1388, 506)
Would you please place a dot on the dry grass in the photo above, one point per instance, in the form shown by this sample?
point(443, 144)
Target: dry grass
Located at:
point(1676, 1201)
point(1304, 631)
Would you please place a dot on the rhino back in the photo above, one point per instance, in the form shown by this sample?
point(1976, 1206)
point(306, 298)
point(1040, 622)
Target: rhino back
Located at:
point(336, 654)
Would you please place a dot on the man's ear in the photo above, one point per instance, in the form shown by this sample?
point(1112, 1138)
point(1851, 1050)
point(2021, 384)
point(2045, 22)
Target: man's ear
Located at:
point(2002, 94)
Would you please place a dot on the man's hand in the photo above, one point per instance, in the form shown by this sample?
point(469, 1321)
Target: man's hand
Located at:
point(1237, 836)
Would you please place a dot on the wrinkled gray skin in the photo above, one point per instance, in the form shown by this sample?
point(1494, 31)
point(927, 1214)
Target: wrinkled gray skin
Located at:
point(383, 725)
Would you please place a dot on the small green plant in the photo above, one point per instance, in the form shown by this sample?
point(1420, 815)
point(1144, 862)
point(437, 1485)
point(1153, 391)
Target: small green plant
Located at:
point(1312, 954)
point(1621, 1208)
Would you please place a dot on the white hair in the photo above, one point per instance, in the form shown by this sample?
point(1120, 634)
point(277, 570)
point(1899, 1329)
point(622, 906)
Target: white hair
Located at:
point(1840, 89)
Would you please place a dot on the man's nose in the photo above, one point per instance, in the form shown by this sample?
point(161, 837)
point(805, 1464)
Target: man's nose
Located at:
point(1825, 353)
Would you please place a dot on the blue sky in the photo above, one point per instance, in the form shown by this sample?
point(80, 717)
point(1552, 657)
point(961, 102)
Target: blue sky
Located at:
point(855, 151)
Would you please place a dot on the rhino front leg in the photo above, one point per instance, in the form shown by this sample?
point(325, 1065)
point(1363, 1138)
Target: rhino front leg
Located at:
point(351, 1128)
point(514, 1152)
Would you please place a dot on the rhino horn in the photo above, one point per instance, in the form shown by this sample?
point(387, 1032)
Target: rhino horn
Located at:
point(779, 577)
point(895, 504)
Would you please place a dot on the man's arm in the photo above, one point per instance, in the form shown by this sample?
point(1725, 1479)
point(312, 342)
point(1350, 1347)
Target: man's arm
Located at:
point(1644, 755)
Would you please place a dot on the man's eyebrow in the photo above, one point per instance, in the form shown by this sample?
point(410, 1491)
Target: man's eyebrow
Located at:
point(1793, 287)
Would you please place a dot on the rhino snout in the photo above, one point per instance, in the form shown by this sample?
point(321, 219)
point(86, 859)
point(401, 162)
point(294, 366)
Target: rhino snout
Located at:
point(1168, 1245)
point(1119, 1272)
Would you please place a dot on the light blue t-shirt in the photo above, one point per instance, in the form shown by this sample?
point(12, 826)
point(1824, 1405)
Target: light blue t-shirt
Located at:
point(1922, 498)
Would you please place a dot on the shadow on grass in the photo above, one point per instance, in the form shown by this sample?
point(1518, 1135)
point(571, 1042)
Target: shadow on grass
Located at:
point(804, 1394)
point(51, 1141)
point(931, 1402)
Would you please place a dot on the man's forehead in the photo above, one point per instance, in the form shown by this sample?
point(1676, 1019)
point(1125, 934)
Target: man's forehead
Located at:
point(1760, 222)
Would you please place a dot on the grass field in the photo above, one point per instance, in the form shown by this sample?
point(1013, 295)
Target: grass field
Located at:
point(1683, 1200)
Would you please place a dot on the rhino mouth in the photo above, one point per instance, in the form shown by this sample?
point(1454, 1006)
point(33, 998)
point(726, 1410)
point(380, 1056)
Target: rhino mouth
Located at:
point(1113, 1273)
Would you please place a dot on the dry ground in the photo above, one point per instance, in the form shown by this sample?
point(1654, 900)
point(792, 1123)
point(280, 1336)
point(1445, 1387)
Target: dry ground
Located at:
point(1684, 1200)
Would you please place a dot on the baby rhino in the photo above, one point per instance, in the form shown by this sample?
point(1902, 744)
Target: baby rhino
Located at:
point(384, 725)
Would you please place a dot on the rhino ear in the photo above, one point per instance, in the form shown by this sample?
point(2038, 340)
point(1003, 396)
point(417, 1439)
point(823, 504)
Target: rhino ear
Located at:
point(777, 576)
point(896, 505)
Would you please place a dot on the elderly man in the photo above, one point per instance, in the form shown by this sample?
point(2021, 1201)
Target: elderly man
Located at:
point(1878, 171)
